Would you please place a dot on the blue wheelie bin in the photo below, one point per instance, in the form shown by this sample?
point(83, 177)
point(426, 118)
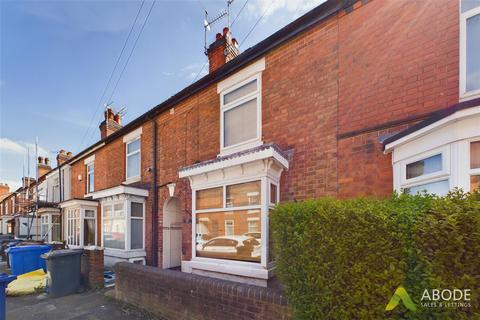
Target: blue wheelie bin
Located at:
point(24, 259)
point(5, 279)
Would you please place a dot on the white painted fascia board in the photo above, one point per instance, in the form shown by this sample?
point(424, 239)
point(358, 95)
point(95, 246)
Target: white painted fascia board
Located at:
point(89, 159)
point(264, 154)
point(119, 190)
point(459, 115)
point(78, 202)
point(132, 135)
point(241, 75)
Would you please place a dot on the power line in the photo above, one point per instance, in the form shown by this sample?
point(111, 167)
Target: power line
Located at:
point(239, 12)
point(133, 49)
point(256, 23)
point(113, 72)
point(198, 73)
point(129, 56)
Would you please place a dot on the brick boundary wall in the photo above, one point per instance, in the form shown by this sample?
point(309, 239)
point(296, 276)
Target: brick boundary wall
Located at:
point(92, 268)
point(176, 295)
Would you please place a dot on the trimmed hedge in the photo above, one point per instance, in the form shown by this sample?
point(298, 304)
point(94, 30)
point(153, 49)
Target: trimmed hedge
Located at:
point(344, 259)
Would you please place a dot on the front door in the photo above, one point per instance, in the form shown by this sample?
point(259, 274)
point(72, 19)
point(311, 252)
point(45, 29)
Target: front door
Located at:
point(172, 234)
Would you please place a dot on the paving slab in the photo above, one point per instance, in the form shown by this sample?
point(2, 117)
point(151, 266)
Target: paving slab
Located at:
point(90, 305)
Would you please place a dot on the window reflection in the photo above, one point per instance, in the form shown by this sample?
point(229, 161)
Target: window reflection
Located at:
point(243, 194)
point(234, 235)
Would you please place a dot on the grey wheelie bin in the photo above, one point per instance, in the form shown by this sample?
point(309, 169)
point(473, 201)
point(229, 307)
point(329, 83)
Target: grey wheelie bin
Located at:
point(63, 272)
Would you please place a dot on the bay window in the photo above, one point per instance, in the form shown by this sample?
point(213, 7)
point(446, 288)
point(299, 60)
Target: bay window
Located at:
point(123, 225)
point(50, 227)
point(80, 221)
point(474, 171)
point(469, 49)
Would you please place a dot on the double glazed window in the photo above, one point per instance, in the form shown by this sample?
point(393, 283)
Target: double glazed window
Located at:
point(122, 230)
point(228, 222)
point(470, 48)
point(240, 114)
point(133, 159)
point(50, 227)
point(81, 227)
point(474, 165)
point(427, 174)
point(90, 177)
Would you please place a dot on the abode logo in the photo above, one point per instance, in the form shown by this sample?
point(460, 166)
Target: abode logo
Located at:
point(400, 295)
point(432, 298)
point(446, 298)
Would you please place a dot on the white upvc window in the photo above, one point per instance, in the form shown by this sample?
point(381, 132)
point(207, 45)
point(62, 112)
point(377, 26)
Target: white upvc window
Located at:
point(124, 224)
point(50, 227)
point(224, 219)
point(469, 49)
point(427, 172)
point(474, 167)
point(241, 115)
point(80, 226)
point(90, 177)
point(133, 159)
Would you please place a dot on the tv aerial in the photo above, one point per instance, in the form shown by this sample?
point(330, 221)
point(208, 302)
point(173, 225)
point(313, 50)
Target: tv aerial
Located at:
point(207, 23)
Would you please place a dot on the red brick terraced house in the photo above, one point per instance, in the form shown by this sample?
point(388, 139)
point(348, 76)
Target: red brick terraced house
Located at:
point(353, 98)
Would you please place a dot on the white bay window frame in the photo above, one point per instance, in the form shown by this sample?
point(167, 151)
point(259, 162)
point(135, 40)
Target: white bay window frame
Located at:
point(127, 217)
point(74, 216)
point(464, 16)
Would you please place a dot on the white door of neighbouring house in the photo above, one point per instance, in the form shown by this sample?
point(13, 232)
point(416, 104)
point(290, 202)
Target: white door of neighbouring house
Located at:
point(172, 233)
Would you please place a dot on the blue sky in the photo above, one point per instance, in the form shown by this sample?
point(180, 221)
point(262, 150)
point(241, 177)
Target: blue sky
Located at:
point(56, 58)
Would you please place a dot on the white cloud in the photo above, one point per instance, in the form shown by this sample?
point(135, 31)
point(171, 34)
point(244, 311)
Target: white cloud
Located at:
point(8, 146)
point(296, 7)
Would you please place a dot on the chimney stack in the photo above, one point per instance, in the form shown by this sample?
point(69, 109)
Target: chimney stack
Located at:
point(112, 122)
point(4, 189)
point(224, 49)
point(43, 166)
point(63, 156)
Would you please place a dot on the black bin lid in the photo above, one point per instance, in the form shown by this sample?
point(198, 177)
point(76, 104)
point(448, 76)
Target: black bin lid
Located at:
point(61, 253)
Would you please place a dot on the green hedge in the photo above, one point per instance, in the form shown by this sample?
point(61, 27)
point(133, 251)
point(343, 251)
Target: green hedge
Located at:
point(344, 259)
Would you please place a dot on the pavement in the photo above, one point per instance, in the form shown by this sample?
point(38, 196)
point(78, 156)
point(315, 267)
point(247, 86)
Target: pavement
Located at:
point(90, 305)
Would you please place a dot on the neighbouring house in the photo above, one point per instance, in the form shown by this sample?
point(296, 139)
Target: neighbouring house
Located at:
point(353, 98)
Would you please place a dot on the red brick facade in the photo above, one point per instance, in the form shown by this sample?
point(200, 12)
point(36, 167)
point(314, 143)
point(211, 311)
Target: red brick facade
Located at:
point(328, 95)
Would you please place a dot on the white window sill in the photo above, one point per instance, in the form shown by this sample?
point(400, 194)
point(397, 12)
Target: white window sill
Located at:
point(132, 180)
point(240, 147)
point(239, 269)
point(470, 95)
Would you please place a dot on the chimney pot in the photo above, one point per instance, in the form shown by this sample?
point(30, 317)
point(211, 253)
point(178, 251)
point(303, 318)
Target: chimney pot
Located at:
point(111, 123)
point(40, 160)
point(47, 161)
point(224, 49)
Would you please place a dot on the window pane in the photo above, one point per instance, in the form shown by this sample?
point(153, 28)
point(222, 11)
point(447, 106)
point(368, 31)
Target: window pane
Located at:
point(229, 235)
point(469, 4)
point(133, 165)
point(425, 166)
point(240, 92)
point(88, 232)
point(136, 233)
point(243, 194)
point(273, 193)
point(475, 155)
point(240, 123)
point(114, 233)
point(56, 232)
point(209, 198)
point(439, 188)
point(136, 210)
point(133, 146)
point(473, 57)
point(474, 183)
point(90, 214)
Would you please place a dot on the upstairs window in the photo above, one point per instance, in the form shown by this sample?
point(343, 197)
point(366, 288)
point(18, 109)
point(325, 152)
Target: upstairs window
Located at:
point(90, 177)
point(241, 115)
point(469, 49)
point(133, 159)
